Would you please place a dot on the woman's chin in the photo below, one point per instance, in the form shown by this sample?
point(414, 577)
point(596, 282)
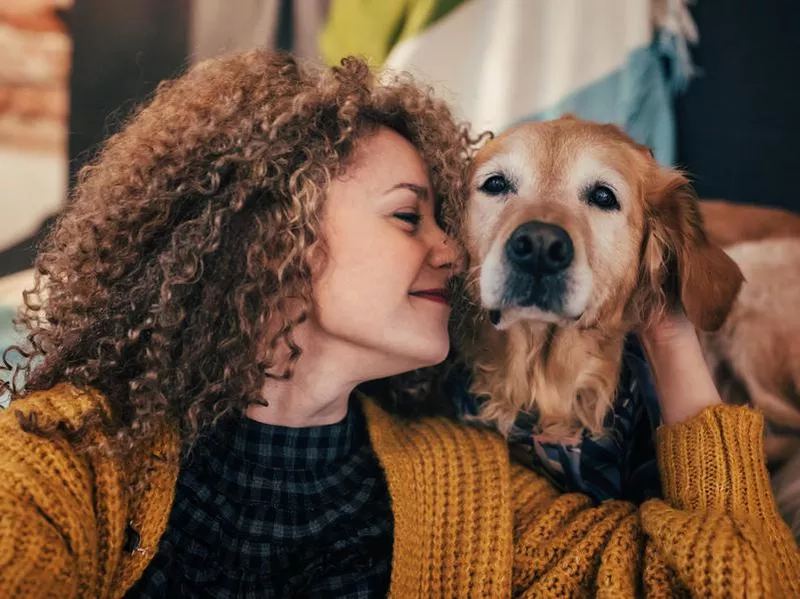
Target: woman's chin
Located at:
point(435, 353)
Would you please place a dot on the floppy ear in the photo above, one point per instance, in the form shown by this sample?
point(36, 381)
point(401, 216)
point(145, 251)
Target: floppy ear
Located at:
point(679, 264)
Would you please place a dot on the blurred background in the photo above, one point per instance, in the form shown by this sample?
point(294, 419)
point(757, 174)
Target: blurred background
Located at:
point(710, 85)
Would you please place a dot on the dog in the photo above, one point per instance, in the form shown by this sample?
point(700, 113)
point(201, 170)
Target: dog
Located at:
point(729, 223)
point(755, 357)
point(575, 237)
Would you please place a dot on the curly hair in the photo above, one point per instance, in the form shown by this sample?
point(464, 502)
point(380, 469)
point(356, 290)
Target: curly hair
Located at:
point(191, 227)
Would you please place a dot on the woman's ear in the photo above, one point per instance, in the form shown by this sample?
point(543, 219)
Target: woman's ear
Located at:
point(679, 264)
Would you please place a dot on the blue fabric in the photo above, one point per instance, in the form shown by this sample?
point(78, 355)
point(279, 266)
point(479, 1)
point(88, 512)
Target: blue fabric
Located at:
point(637, 97)
point(8, 336)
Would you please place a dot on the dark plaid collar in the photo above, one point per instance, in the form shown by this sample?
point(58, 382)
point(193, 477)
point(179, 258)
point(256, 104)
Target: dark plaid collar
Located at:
point(271, 511)
point(288, 448)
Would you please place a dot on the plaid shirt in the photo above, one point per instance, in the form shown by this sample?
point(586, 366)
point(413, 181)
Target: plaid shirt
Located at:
point(269, 511)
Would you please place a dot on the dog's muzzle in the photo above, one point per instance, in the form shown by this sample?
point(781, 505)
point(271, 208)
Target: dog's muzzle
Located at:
point(538, 255)
point(541, 248)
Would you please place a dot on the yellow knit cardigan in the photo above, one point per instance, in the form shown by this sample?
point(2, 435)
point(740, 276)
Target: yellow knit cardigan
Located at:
point(467, 521)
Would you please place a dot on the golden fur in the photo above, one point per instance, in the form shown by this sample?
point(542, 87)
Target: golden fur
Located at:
point(756, 354)
point(728, 223)
point(641, 261)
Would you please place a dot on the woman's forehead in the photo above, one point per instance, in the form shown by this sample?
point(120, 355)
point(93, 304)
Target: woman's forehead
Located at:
point(390, 158)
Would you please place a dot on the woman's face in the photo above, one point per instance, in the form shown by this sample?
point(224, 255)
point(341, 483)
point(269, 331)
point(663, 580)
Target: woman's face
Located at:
point(380, 300)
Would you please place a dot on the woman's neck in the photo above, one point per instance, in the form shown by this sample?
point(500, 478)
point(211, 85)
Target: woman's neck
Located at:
point(316, 395)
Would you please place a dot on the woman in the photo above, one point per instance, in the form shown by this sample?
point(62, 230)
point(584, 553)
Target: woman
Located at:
point(261, 240)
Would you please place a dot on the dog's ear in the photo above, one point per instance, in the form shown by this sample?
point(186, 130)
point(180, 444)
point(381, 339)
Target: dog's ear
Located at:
point(679, 264)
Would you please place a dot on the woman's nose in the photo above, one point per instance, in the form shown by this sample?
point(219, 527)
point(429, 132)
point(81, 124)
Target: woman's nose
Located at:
point(447, 253)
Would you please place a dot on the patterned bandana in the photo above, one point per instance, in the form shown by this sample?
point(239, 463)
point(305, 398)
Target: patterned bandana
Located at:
point(620, 464)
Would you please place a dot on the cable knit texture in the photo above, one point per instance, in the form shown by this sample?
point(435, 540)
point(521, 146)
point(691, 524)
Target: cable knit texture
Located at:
point(468, 523)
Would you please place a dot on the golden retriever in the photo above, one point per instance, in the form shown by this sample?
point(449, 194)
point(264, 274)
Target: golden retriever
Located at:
point(729, 223)
point(576, 236)
point(755, 355)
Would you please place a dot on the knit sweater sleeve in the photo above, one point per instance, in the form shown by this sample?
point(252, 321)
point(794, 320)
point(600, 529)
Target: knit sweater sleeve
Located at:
point(48, 515)
point(717, 532)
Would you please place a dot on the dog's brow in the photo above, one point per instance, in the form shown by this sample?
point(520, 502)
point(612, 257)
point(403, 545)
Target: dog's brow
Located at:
point(419, 190)
point(506, 161)
point(493, 164)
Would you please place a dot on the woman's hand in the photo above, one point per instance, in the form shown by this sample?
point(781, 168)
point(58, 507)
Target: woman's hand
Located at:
point(684, 384)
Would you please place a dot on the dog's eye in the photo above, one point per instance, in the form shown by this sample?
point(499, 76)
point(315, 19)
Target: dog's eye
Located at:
point(602, 197)
point(495, 185)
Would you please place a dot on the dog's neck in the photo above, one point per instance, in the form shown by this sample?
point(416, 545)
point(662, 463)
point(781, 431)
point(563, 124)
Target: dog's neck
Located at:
point(566, 376)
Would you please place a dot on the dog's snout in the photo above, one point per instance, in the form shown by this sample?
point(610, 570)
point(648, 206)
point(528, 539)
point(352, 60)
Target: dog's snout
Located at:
point(540, 246)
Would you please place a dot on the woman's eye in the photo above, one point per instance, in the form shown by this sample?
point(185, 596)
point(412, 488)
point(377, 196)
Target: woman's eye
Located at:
point(495, 185)
point(412, 218)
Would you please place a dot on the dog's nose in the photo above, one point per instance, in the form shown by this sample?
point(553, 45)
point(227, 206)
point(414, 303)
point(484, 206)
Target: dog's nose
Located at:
point(540, 246)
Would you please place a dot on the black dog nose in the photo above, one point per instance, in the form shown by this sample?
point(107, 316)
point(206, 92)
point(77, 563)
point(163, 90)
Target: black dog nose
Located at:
point(540, 246)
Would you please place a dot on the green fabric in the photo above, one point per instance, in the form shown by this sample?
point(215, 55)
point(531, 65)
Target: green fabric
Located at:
point(371, 28)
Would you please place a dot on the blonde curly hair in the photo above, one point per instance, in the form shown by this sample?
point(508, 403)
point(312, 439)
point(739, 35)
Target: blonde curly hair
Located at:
point(193, 225)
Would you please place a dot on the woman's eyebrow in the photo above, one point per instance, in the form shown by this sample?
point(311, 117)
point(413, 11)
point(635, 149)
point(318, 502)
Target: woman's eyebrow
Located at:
point(420, 191)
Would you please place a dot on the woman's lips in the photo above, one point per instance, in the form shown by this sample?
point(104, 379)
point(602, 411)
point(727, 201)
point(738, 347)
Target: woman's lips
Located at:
point(435, 295)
